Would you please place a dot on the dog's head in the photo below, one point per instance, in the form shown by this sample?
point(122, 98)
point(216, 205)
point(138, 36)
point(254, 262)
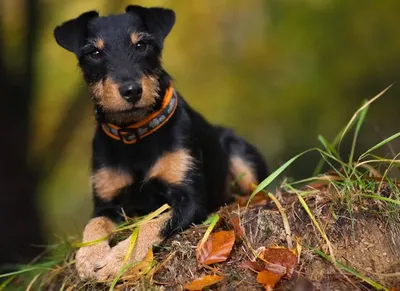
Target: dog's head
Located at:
point(120, 57)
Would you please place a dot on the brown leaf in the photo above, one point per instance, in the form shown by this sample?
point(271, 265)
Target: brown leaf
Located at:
point(258, 266)
point(203, 282)
point(254, 266)
point(217, 248)
point(234, 221)
point(259, 198)
point(268, 279)
point(281, 256)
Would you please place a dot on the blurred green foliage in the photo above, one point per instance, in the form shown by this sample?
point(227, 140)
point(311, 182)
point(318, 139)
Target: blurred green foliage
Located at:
point(278, 71)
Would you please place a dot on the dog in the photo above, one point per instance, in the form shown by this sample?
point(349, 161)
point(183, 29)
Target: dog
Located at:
point(149, 147)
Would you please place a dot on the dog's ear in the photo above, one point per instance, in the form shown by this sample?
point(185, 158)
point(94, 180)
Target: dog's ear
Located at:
point(71, 34)
point(158, 20)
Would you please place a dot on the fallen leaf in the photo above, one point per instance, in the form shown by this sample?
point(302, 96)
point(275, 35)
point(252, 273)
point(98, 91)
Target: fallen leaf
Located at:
point(258, 199)
point(203, 282)
point(258, 266)
point(281, 256)
point(253, 266)
point(268, 279)
point(217, 248)
point(234, 221)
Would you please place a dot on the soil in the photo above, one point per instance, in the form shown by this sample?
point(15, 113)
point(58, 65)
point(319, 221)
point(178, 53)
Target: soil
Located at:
point(368, 242)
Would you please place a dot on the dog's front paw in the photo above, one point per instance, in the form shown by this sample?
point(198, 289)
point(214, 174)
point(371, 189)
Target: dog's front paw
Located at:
point(118, 257)
point(87, 258)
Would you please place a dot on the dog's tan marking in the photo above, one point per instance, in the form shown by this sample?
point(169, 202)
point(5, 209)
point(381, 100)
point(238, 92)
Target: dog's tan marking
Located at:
point(87, 257)
point(151, 90)
point(149, 234)
point(243, 173)
point(106, 93)
point(135, 37)
point(107, 182)
point(172, 167)
point(99, 43)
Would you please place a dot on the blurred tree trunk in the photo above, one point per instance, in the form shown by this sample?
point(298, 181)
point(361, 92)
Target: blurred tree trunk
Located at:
point(19, 219)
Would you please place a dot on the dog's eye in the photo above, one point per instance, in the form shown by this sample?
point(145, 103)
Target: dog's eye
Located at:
point(141, 46)
point(95, 54)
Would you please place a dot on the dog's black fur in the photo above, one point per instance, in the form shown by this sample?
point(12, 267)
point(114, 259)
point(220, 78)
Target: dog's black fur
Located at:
point(110, 57)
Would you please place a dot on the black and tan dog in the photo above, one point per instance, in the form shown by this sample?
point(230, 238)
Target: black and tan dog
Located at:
point(150, 147)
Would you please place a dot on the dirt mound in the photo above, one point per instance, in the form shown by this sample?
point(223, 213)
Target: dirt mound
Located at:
point(366, 248)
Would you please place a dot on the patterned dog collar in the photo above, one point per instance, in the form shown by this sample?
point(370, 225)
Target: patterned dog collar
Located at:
point(132, 133)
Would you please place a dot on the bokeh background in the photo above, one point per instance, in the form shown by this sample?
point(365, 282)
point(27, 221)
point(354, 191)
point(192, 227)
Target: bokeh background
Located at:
point(278, 71)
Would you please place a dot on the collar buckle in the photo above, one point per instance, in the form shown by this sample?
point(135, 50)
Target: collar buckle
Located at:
point(128, 135)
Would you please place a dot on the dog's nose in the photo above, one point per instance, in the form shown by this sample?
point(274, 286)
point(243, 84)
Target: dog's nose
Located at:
point(130, 92)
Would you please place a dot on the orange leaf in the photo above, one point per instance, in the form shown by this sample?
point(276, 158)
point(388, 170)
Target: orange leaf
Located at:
point(202, 282)
point(259, 198)
point(281, 256)
point(268, 279)
point(234, 221)
point(217, 248)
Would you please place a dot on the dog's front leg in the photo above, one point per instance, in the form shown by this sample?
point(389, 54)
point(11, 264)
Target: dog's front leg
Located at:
point(87, 257)
point(175, 178)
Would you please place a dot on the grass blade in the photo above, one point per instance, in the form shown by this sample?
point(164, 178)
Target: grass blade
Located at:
point(329, 147)
point(360, 121)
point(381, 198)
point(285, 220)
point(145, 219)
point(316, 224)
point(349, 124)
point(381, 144)
point(89, 243)
point(350, 270)
point(132, 243)
point(125, 227)
point(275, 174)
point(120, 273)
point(24, 270)
point(6, 282)
point(214, 220)
point(33, 282)
point(333, 145)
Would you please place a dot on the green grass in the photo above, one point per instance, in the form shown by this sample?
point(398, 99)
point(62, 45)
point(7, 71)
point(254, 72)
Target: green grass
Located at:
point(356, 181)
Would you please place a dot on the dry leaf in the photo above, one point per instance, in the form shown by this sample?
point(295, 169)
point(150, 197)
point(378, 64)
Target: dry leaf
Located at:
point(254, 266)
point(217, 248)
point(234, 221)
point(281, 256)
point(203, 282)
point(259, 198)
point(268, 279)
point(258, 266)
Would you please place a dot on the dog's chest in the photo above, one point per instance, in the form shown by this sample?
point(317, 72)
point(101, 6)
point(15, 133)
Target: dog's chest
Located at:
point(125, 176)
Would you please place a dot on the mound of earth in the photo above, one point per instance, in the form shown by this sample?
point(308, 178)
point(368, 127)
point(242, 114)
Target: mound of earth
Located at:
point(365, 244)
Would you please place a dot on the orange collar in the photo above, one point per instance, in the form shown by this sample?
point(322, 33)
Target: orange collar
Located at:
point(132, 133)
